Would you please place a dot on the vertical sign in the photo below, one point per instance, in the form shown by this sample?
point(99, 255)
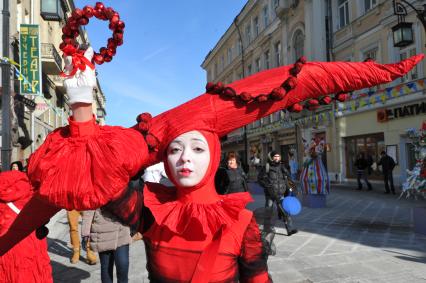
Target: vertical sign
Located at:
point(30, 58)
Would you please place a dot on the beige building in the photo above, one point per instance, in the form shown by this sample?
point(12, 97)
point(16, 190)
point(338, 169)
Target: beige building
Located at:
point(264, 35)
point(52, 110)
point(275, 33)
point(377, 119)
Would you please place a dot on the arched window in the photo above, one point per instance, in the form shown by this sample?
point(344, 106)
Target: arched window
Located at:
point(298, 44)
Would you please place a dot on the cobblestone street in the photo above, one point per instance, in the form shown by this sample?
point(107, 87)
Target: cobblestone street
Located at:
point(359, 237)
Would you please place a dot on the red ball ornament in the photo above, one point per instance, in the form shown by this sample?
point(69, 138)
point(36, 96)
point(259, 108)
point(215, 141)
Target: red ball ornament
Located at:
point(98, 59)
point(99, 6)
point(107, 58)
point(88, 11)
point(77, 13)
point(83, 21)
point(80, 17)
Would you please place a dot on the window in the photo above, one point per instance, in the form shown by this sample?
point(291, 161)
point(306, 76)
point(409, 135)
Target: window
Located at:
point(248, 34)
point(256, 26)
point(413, 74)
point(371, 54)
point(266, 58)
point(209, 76)
point(257, 64)
point(215, 70)
point(343, 7)
point(299, 44)
point(266, 120)
point(229, 58)
point(239, 47)
point(222, 63)
point(371, 145)
point(369, 4)
point(249, 70)
point(265, 16)
point(278, 53)
point(276, 2)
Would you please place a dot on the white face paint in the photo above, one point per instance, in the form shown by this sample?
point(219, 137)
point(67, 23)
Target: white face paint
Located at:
point(188, 157)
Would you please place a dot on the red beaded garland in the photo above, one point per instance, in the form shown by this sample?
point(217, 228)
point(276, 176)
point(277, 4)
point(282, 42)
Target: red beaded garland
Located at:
point(80, 17)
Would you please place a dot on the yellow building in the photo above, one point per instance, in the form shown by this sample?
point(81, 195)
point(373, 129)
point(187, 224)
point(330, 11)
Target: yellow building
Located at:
point(376, 119)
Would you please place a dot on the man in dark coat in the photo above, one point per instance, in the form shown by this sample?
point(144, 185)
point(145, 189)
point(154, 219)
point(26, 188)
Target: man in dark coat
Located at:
point(387, 164)
point(362, 164)
point(274, 179)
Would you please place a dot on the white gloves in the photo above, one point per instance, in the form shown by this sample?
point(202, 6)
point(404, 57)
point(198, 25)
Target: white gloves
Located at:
point(80, 86)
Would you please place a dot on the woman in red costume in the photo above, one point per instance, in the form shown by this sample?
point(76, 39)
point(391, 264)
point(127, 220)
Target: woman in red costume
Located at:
point(86, 166)
point(28, 261)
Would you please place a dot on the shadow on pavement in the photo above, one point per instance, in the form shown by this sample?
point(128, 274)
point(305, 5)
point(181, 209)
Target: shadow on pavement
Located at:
point(362, 218)
point(58, 247)
point(72, 274)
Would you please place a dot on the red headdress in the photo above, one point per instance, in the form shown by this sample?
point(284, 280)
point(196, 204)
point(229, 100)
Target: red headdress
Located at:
point(223, 109)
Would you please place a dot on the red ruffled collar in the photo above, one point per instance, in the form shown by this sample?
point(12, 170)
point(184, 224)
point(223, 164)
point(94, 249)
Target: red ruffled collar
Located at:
point(181, 217)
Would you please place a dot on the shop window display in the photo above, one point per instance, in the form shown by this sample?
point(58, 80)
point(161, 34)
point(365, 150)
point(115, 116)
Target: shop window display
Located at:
point(371, 145)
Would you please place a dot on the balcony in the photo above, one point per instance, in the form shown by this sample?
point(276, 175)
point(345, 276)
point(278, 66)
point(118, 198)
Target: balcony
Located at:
point(51, 60)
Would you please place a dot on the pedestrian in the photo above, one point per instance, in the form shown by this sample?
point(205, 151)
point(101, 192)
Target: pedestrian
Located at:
point(73, 222)
point(111, 239)
point(17, 165)
point(361, 165)
point(274, 179)
point(231, 179)
point(387, 164)
point(294, 166)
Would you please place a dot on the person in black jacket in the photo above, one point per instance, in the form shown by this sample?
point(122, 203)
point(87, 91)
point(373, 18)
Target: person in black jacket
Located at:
point(387, 164)
point(274, 178)
point(231, 179)
point(362, 164)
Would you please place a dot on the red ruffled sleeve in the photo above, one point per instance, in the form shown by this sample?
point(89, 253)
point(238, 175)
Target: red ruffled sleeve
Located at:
point(28, 260)
point(252, 262)
point(84, 166)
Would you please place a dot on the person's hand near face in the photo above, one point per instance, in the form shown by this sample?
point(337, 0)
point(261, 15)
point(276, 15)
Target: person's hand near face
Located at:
point(188, 157)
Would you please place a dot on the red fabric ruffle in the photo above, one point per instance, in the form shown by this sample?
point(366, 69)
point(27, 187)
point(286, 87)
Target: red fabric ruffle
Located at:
point(14, 185)
point(87, 168)
point(179, 217)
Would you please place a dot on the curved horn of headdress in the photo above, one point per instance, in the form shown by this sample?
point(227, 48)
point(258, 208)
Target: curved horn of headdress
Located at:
point(223, 109)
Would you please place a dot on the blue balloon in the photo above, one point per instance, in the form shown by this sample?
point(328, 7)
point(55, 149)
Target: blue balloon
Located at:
point(291, 205)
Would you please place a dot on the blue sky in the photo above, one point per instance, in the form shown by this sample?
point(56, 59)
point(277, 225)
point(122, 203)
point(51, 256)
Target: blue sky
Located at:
point(165, 42)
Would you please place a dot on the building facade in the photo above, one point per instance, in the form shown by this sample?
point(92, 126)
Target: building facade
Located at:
point(376, 119)
point(268, 33)
point(264, 35)
point(31, 126)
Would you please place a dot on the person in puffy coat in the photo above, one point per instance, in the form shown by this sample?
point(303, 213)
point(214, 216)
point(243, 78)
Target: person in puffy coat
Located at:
point(111, 239)
point(28, 261)
point(274, 179)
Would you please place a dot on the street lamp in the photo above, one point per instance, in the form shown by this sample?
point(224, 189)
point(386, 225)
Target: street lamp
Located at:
point(403, 32)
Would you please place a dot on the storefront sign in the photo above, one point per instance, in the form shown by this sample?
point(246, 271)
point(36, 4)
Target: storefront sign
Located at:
point(30, 58)
point(384, 115)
